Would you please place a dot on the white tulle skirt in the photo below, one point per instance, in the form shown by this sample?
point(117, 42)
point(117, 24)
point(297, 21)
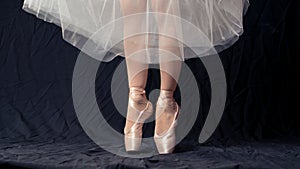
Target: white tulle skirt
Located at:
point(99, 28)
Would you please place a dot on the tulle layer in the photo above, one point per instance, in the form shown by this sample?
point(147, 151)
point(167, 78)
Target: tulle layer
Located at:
point(100, 28)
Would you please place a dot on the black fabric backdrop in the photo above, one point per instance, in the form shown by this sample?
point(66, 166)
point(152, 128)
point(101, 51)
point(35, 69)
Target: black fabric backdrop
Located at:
point(259, 128)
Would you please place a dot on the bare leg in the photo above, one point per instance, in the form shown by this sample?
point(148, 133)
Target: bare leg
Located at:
point(135, 47)
point(137, 72)
point(169, 70)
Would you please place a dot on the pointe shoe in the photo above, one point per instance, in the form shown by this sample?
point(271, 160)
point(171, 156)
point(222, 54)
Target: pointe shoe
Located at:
point(166, 141)
point(133, 135)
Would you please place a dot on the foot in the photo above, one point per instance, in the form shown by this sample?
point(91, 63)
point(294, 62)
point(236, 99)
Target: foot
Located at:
point(167, 112)
point(139, 102)
point(166, 109)
point(139, 109)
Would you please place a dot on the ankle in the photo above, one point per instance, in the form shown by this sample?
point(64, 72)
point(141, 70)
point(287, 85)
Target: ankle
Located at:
point(166, 102)
point(138, 95)
point(166, 97)
point(166, 93)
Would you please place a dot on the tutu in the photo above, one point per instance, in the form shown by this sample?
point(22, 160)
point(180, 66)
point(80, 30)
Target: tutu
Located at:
point(99, 27)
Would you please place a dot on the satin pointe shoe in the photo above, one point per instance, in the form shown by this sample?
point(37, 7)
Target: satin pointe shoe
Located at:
point(139, 110)
point(166, 141)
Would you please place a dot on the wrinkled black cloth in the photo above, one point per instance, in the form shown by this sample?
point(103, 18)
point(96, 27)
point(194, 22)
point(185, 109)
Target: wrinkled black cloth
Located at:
point(39, 127)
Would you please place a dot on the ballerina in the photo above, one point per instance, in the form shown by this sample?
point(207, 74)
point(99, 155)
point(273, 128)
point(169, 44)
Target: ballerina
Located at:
point(151, 31)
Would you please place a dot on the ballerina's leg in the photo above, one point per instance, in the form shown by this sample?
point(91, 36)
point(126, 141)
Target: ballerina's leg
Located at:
point(170, 54)
point(134, 46)
point(134, 50)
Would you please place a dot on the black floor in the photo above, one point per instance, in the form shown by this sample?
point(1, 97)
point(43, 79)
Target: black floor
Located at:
point(243, 155)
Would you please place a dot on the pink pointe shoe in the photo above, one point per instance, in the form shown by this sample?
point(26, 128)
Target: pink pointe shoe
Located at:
point(166, 141)
point(133, 135)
